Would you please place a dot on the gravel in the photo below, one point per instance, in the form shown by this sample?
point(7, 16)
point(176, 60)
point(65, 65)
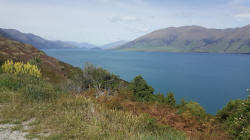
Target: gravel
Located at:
point(6, 132)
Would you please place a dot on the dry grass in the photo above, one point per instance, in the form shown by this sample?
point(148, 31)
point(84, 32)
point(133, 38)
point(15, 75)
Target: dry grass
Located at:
point(194, 128)
point(78, 117)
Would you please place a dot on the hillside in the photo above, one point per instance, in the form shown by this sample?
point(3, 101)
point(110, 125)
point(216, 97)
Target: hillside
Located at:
point(113, 44)
point(55, 70)
point(193, 39)
point(34, 40)
point(96, 104)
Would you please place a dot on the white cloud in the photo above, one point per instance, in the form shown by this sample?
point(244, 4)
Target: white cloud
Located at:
point(123, 19)
point(242, 15)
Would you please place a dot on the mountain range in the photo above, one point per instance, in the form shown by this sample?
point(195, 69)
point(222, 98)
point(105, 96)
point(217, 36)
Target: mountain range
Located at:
point(42, 43)
point(34, 40)
point(193, 39)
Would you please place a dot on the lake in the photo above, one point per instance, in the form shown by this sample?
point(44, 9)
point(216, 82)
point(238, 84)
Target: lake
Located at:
point(209, 79)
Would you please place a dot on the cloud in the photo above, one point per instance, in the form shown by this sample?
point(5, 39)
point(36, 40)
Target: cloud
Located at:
point(242, 15)
point(123, 19)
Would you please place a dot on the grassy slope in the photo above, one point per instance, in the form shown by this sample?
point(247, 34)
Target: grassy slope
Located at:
point(53, 69)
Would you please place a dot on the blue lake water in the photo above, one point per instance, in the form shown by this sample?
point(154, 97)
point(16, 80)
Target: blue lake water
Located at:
point(209, 79)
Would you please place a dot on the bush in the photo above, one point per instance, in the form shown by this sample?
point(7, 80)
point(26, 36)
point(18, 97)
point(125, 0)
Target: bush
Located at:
point(40, 91)
point(236, 118)
point(168, 99)
point(19, 68)
point(26, 78)
point(94, 77)
point(194, 108)
point(11, 82)
point(31, 87)
point(36, 61)
point(141, 90)
point(99, 78)
point(159, 97)
point(18, 75)
point(15, 82)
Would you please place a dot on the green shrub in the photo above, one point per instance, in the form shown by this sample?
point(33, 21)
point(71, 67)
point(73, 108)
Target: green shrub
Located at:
point(11, 82)
point(141, 90)
point(36, 61)
point(168, 99)
point(159, 97)
point(236, 118)
point(98, 77)
point(196, 109)
point(31, 87)
point(93, 77)
point(193, 107)
point(40, 91)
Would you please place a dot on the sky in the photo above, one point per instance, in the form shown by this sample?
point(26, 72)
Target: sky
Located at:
point(104, 21)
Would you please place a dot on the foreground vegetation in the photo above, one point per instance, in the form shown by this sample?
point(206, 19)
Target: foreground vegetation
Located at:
point(236, 118)
point(76, 117)
point(96, 104)
point(58, 115)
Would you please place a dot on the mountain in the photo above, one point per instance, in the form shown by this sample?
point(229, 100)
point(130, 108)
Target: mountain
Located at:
point(54, 70)
point(193, 39)
point(34, 40)
point(113, 44)
point(81, 45)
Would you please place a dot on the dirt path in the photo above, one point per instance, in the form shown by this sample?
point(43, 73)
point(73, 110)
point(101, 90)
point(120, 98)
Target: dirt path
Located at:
point(11, 131)
point(6, 133)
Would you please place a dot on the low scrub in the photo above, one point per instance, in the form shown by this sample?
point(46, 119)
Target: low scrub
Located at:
point(165, 99)
point(40, 91)
point(192, 109)
point(93, 77)
point(26, 79)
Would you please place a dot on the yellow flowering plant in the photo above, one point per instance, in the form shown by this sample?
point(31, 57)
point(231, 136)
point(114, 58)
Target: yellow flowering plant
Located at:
point(20, 68)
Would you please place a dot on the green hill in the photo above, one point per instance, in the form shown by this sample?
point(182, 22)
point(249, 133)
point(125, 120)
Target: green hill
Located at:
point(193, 39)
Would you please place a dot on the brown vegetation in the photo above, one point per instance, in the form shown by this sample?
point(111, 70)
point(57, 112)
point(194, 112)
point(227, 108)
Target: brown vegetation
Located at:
point(166, 115)
point(54, 70)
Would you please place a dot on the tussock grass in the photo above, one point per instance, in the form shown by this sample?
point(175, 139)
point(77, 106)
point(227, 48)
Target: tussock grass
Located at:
point(78, 117)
